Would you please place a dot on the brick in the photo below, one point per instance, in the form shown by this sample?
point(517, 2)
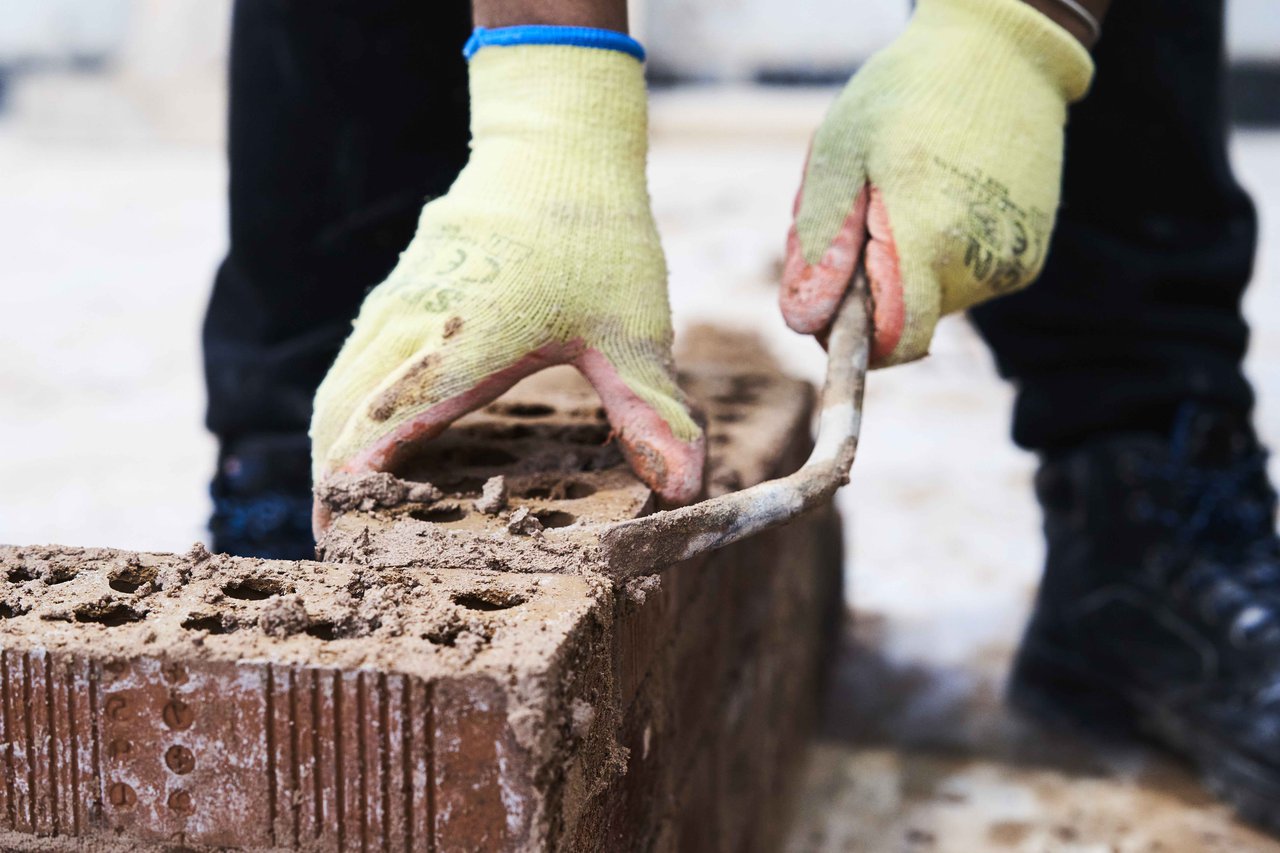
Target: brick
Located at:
point(698, 821)
point(438, 684)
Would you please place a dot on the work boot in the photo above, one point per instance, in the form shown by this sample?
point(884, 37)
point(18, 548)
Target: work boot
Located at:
point(262, 499)
point(1159, 612)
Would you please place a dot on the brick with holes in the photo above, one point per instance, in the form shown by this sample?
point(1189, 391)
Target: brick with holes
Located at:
point(396, 697)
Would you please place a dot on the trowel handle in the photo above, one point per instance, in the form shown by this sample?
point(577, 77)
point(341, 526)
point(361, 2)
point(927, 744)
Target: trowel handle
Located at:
point(647, 544)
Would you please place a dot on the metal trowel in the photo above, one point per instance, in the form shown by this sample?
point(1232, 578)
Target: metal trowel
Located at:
point(647, 544)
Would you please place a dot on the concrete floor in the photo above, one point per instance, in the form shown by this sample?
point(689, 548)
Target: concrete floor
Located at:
point(919, 753)
point(110, 239)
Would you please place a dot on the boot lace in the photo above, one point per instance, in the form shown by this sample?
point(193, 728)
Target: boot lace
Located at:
point(1223, 551)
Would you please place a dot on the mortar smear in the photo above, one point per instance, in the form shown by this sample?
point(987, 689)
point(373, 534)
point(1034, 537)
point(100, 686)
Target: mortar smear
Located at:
point(367, 492)
point(493, 496)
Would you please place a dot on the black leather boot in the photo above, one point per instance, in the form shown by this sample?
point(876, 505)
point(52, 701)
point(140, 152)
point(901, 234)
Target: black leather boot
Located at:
point(1159, 612)
point(262, 499)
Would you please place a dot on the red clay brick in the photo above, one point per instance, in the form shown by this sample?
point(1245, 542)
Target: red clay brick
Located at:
point(424, 703)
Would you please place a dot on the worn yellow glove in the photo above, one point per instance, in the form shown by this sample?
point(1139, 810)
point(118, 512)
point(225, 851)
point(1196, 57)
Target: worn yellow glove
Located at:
point(946, 148)
point(543, 252)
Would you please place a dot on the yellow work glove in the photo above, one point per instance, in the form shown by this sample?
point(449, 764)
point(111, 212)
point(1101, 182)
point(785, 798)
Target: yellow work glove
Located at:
point(543, 252)
point(939, 166)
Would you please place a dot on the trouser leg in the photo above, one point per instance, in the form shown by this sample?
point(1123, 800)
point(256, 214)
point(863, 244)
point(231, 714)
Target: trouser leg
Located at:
point(1138, 308)
point(345, 116)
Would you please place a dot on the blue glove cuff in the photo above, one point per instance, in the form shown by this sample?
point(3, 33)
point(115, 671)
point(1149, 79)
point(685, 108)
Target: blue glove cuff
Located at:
point(542, 34)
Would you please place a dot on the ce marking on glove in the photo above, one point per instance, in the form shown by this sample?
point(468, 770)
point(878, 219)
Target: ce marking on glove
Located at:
point(456, 257)
point(452, 261)
point(1001, 251)
point(1004, 244)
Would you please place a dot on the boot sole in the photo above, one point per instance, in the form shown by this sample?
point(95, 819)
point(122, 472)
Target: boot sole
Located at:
point(1055, 689)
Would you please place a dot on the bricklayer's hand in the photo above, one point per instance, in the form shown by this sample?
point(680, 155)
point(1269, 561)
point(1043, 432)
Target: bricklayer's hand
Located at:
point(543, 252)
point(939, 167)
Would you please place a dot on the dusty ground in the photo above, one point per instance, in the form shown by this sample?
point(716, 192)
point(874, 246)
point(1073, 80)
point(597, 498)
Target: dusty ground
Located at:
point(919, 752)
point(110, 241)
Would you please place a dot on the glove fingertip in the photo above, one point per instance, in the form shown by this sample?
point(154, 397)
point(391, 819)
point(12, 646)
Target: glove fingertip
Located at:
point(802, 310)
point(889, 312)
point(321, 517)
point(672, 468)
point(811, 292)
point(668, 451)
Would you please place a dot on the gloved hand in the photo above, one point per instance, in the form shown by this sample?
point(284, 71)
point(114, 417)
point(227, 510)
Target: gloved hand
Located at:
point(543, 252)
point(941, 161)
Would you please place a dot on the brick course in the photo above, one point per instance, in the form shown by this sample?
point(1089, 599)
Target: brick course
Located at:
point(421, 706)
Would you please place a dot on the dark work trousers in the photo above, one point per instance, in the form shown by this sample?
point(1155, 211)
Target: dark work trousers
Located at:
point(1138, 308)
point(346, 115)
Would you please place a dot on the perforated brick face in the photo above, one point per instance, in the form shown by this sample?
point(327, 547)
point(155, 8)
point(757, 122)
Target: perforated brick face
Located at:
point(400, 697)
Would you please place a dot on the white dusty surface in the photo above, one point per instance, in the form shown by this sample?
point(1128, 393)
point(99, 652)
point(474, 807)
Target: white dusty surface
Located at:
point(920, 754)
point(106, 253)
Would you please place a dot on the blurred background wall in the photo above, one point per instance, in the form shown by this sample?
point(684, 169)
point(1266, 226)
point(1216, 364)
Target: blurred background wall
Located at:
point(1253, 37)
point(121, 70)
point(764, 40)
point(156, 66)
point(755, 39)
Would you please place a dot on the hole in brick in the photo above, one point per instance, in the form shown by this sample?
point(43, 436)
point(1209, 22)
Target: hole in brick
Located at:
point(576, 490)
point(212, 624)
point(485, 456)
point(751, 381)
point(735, 397)
point(253, 589)
point(594, 434)
point(555, 518)
point(525, 410)
point(179, 759)
point(20, 575)
point(443, 636)
point(570, 490)
point(728, 417)
point(122, 796)
point(59, 575)
point(719, 439)
point(180, 802)
point(322, 631)
point(131, 578)
point(500, 431)
point(744, 389)
point(486, 600)
point(465, 486)
point(478, 456)
point(439, 514)
point(111, 614)
point(8, 611)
